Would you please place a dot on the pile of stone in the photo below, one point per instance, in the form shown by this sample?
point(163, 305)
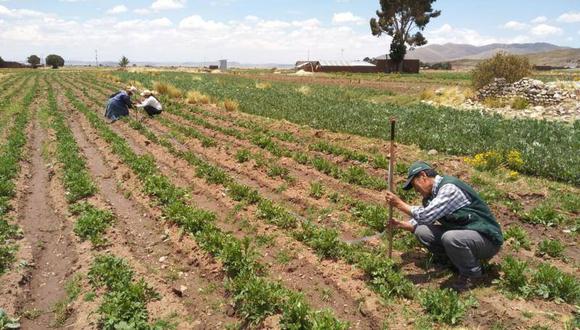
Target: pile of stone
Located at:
point(534, 91)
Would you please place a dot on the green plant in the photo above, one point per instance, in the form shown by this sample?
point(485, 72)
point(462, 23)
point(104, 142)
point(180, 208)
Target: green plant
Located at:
point(7, 322)
point(278, 171)
point(385, 277)
point(514, 278)
point(519, 238)
point(275, 214)
point(316, 189)
point(92, 222)
point(445, 305)
point(544, 214)
point(551, 283)
point(256, 298)
point(554, 248)
point(243, 155)
point(323, 240)
point(240, 193)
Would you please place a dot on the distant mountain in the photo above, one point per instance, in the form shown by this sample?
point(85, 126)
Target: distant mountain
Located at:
point(569, 57)
point(452, 52)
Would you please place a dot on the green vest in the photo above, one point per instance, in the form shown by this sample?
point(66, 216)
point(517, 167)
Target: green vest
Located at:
point(475, 216)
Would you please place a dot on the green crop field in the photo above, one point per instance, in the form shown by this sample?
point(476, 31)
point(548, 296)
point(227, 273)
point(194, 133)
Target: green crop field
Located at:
point(237, 207)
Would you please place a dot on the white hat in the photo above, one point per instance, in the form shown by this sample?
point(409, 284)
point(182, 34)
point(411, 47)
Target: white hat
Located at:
point(147, 93)
point(132, 89)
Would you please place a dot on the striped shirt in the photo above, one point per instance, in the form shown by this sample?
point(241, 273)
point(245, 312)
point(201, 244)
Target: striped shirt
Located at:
point(448, 200)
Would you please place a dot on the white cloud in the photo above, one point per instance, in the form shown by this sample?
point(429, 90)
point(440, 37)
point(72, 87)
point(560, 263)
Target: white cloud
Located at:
point(276, 24)
point(251, 18)
point(19, 13)
point(117, 10)
point(196, 22)
point(346, 17)
point(539, 19)
point(569, 17)
point(168, 4)
point(515, 25)
point(544, 30)
point(142, 11)
point(161, 22)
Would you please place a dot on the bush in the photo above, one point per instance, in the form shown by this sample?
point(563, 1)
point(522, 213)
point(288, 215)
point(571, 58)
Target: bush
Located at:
point(510, 67)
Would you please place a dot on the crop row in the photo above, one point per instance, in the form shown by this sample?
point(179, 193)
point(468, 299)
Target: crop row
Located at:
point(263, 138)
point(556, 278)
point(125, 301)
point(367, 213)
point(382, 274)
point(544, 145)
point(10, 156)
point(255, 297)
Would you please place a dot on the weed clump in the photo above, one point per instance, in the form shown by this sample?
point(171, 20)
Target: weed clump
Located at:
point(164, 88)
point(231, 105)
point(196, 97)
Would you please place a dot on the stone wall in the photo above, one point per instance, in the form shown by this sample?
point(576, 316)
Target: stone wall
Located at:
point(534, 91)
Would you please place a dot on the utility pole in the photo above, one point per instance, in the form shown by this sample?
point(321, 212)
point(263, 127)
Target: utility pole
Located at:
point(308, 54)
point(342, 53)
point(96, 58)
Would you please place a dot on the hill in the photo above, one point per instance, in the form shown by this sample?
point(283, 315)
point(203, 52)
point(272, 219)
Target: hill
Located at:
point(452, 52)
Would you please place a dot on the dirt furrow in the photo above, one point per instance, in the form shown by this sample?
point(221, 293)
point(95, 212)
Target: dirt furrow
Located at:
point(306, 273)
point(155, 250)
point(52, 248)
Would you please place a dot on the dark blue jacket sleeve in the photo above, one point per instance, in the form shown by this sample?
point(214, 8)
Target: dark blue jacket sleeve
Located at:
point(127, 100)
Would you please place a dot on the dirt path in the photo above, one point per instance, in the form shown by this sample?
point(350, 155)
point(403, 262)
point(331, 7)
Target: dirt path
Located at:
point(51, 245)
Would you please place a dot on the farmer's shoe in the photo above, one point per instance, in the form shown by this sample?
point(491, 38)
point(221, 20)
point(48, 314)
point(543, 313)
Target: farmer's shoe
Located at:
point(465, 283)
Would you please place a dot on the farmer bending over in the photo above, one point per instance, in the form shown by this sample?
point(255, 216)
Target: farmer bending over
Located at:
point(119, 104)
point(150, 103)
point(467, 231)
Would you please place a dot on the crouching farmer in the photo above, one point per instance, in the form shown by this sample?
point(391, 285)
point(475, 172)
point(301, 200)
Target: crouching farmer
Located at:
point(150, 103)
point(466, 232)
point(119, 104)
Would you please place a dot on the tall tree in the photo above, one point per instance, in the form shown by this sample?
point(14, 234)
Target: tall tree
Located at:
point(55, 61)
point(403, 20)
point(33, 60)
point(124, 62)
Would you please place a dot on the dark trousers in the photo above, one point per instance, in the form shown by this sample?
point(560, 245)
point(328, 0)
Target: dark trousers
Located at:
point(151, 110)
point(465, 248)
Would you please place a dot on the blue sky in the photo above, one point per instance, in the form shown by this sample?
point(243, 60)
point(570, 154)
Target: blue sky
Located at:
point(257, 31)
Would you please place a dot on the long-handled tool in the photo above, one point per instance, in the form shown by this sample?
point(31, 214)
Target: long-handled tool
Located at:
point(389, 229)
point(391, 184)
